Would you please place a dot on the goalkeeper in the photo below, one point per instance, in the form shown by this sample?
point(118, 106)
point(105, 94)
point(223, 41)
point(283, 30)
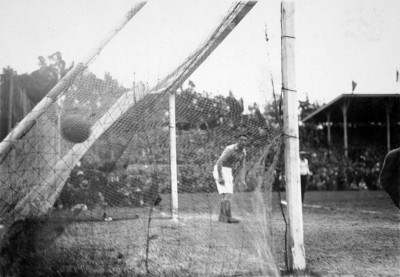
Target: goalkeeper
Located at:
point(233, 155)
point(390, 176)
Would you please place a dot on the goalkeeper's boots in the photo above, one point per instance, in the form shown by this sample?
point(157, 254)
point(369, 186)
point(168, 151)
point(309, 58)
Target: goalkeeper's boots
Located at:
point(230, 218)
point(225, 215)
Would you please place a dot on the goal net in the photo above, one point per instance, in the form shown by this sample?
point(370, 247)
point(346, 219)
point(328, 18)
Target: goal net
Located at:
point(86, 176)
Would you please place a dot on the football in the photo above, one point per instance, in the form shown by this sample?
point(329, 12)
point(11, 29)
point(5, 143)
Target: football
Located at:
point(75, 128)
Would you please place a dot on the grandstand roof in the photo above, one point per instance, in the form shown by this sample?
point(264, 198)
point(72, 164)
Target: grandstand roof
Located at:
point(363, 108)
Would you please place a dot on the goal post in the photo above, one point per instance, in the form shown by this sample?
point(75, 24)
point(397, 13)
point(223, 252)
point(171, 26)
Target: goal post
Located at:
point(291, 132)
point(172, 161)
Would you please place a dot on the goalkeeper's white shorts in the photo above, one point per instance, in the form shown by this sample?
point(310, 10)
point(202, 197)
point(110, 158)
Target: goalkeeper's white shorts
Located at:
point(228, 180)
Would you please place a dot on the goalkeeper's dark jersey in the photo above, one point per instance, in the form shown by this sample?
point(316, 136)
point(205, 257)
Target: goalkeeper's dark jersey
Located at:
point(390, 176)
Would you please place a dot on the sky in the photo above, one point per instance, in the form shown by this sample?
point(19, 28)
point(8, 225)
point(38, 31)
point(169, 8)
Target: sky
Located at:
point(337, 42)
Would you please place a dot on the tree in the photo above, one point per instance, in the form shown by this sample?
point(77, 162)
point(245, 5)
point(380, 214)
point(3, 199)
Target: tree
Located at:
point(306, 107)
point(191, 85)
point(273, 111)
point(308, 133)
point(41, 81)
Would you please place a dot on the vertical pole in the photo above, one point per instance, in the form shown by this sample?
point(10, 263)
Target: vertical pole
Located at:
point(2, 104)
point(328, 119)
point(25, 103)
point(388, 126)
point(296, 252)
point(174, 171)
point(10, 100)
point(345, 107)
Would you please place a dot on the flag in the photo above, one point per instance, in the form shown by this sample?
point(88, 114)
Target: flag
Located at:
point(397, 75)
point(354, 85)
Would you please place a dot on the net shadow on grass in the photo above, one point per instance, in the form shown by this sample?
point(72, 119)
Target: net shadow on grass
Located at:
point(197, 245)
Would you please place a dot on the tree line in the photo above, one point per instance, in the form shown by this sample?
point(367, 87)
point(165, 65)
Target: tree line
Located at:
point(197, 107)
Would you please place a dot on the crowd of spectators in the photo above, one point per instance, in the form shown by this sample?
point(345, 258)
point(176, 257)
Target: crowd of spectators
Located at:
point(331, 171)
point(143, 171)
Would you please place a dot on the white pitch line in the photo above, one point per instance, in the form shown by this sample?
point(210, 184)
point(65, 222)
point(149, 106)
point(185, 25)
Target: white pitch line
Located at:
point(346, 210)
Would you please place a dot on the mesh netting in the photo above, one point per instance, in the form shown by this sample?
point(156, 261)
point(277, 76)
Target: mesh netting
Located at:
point(86, 187)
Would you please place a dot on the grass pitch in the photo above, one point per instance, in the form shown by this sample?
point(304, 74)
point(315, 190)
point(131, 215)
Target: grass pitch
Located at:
point(350, 233)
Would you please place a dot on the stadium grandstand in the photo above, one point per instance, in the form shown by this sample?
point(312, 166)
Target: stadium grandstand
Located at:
point(348, 138)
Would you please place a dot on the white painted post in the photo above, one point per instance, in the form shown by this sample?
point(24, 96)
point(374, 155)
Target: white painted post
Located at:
point(296, 252)
point(345, 107)
point(173, 166)
point(328, 119)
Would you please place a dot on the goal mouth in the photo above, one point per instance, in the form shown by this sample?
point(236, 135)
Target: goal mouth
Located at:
point(112, 175)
